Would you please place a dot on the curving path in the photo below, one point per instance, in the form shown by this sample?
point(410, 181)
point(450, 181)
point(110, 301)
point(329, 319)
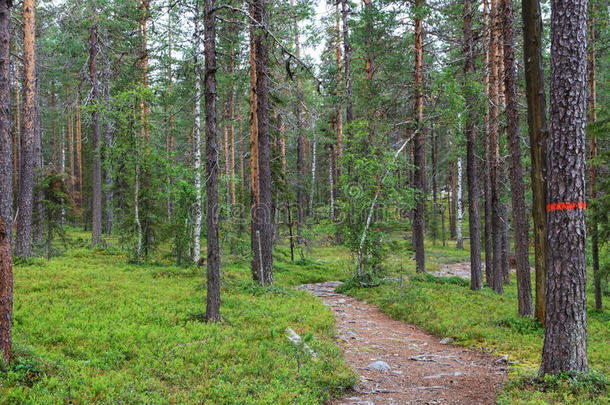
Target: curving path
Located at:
point(400, 364)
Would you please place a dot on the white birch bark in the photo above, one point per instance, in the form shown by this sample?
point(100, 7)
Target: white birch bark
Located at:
point(313, 170)
point(197, 140)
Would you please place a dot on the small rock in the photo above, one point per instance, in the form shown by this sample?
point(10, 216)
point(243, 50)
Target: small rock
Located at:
point(502, 360)
point(447, 340)
point(380, 366)
point(341, 301)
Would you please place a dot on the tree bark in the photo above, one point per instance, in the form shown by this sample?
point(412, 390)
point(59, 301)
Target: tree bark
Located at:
point(520, 231)
point(565, 333)
point(211, 152)
point(96, 210)
point(347, 60)
point(476, 282)
point(301, 175)
point(197, 137)
point(494, 144)
point(108, 145)
point(262, 263)
point(6, 189)
point(460, 209)
point(420, 148)
point(23, 243)
point(537, 128)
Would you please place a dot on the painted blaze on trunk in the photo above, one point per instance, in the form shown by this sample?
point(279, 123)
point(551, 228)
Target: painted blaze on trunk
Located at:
point(565, 336)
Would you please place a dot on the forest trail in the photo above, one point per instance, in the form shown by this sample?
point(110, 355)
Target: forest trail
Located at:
point(397, 363)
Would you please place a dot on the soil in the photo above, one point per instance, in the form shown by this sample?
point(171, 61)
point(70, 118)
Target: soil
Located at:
point(417, 368)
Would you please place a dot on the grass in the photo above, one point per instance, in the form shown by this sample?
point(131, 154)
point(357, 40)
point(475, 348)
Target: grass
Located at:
point(91, 329)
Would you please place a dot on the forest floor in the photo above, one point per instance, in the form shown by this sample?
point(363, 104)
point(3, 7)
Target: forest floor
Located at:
point(398, 363)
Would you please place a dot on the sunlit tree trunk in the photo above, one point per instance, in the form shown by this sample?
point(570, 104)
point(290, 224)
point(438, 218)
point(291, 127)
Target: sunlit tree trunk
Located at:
point(6, 189)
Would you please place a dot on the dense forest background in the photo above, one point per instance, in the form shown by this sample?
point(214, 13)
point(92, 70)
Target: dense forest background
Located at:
point(190, 132)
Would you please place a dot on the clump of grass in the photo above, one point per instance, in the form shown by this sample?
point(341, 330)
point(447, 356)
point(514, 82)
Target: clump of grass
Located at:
point(565, 388)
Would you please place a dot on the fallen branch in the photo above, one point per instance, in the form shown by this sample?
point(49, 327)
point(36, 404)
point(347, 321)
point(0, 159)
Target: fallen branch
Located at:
point(297, 341)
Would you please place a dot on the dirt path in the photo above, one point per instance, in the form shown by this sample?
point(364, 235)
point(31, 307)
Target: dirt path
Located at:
point(400, 364)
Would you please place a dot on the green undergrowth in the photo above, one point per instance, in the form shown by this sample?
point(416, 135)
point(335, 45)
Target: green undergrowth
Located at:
point(485, 320)
point(92, 329)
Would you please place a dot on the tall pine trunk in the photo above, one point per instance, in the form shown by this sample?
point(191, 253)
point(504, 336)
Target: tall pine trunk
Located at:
point(536, 120)
point(23, 245)
point(6, 189)
point(96, 209)
point(494, 149)
point(524, 283)
point(109, 195)
point(212, 313)
point(565, 332)
point(476, 282)
point(261, 237)
point(419, 146)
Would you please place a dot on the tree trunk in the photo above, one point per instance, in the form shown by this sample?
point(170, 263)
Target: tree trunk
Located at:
point(460, 209)
point(537, 128)
point(347, 60)
point(144, 106)
point(79, 156)
point(96, 211)
point(17, 126)
point(108, 145)
point(6, 189)
point(23, 243)
point(476, 282)
point(313, 172)
point(301, 175)
point(232, 127)
point(53, 128)
point(339, 107)
point(262, 263)
point(520, 231)
point(565, 333)
point(420, 149)
point(197, 137)
point(212, 313)
point(494, 144)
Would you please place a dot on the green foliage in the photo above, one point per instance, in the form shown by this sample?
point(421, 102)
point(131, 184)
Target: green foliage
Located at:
point(369, 179)
point(57, 204)
point(91, 329)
